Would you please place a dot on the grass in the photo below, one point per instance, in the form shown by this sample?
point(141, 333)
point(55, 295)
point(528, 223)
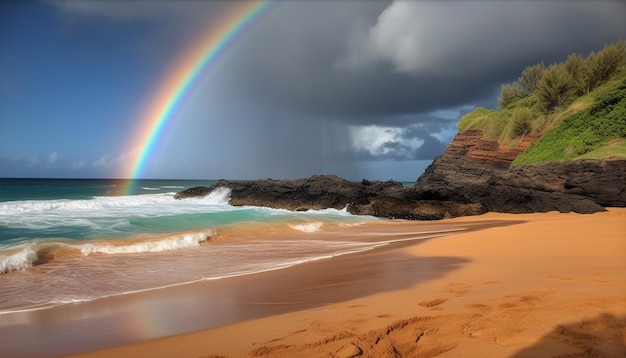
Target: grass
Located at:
point(592, 126)
point(583, 132)
point(613, 149)
point(491, 122)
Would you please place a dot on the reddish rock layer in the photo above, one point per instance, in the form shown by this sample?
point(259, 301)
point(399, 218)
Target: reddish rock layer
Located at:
point(478, 170)
point(474, 146)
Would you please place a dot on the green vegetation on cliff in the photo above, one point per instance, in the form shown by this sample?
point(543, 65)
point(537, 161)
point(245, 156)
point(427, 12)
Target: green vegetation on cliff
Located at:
point(577, 108)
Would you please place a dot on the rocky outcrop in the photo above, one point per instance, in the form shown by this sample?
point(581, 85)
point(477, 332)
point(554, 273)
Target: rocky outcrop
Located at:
point(473, 176)
point(383, 199)
point(193, 192)
point(470, 172)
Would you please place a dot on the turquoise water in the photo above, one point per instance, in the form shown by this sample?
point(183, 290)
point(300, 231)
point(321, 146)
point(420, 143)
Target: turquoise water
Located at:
point(44, 189)
point(67, 241)
point(78, 209)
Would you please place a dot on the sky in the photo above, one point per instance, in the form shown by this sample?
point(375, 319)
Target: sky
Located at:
point(361, 89)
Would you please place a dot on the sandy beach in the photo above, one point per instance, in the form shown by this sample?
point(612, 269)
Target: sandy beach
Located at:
point(526, 285)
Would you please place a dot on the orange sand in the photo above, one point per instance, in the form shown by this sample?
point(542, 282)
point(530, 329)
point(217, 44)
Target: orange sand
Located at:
point(553, 285)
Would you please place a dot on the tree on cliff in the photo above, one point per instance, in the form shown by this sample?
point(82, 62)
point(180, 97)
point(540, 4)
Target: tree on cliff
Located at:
point(530, 77)
point(560, 83)
point(609, 60)
point(510, 93)
point(523, 87)
point(555, 88)
point(596, 68)
point(581, 99)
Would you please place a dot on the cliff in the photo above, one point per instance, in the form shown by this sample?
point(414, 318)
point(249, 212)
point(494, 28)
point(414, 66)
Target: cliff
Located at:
point(477, 170)
point(473, 146)
point(526, 157)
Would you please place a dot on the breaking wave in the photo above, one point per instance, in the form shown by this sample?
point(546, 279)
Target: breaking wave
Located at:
point(28, 255)
point(96, 204)
point(19, 260)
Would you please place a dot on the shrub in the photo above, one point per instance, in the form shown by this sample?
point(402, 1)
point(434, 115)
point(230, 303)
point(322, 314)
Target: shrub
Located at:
point(530, 77)
point(554, 89)
point(609, 59)
point(575, 67)
point(509, 94)
point(582, 132)
point(521, 122)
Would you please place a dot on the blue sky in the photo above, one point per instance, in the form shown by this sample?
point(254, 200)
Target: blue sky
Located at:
point(358, 89)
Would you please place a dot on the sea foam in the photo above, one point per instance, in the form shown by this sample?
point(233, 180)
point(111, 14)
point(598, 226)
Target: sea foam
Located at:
point(172, 243)
point(19, 260)
point(95, 205)
point(309, 227)
point(27, 255)
point(103, 215)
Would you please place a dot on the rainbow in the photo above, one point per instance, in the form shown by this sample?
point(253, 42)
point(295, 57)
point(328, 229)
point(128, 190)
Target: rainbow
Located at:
point(178, 83)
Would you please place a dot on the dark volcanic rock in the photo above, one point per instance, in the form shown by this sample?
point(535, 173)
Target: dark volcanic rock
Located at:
point(582, 186)
point(383, 199)
point(193, 192)
point(473, 176)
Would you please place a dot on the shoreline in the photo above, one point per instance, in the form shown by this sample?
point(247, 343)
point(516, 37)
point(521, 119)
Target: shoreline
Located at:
point(432, 286)
point(127, 319)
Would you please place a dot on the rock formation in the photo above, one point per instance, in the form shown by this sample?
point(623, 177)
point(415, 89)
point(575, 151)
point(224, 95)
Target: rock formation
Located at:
point(383, 199)
point(477, 170)
point(473, 176)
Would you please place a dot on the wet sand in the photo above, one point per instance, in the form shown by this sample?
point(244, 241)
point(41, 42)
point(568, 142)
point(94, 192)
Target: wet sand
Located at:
point(522, 285)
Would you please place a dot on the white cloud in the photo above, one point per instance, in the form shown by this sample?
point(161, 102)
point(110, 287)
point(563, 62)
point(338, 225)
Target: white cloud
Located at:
point(102, 162)
point(123, 159)
point(124, 10)
point(33, 161)
point(52, 159)
point(377, 140)
point(78, 165)
point(408, 143)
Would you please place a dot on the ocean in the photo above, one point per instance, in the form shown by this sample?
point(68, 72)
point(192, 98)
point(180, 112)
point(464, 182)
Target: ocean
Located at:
point(65, 241)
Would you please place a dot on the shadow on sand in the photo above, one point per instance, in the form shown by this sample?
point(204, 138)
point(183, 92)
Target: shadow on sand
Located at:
point(600, 336)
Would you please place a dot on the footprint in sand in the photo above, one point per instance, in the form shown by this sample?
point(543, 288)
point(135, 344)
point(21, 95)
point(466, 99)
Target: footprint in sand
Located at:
point(432, 303)
point(458, 288)
point(471, 330)
point(479, 306)
point(281, 338)
point(526, 301)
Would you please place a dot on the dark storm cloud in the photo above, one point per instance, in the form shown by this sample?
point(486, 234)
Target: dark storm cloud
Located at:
point(431, 148)
point(366, 61)
point(381, 71)
point(361, 63)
